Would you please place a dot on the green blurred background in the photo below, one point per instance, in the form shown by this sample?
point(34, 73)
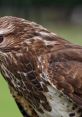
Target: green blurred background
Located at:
point(63, 17)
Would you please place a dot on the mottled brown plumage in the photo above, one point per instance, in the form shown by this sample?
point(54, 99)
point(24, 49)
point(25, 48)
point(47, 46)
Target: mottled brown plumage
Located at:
point(44, 71)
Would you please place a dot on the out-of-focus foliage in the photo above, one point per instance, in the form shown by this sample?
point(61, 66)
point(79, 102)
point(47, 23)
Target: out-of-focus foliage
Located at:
point(40, 2)
point(40, 10)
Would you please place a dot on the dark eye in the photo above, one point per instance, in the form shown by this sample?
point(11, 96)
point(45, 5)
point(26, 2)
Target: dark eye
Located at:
point(1, 38)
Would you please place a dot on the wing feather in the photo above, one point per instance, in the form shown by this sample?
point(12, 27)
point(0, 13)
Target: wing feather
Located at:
point(65, 71)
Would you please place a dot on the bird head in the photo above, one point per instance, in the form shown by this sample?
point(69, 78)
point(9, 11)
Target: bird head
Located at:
point(13, 32)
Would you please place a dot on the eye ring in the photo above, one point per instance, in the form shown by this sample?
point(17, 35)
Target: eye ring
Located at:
point(1, 38)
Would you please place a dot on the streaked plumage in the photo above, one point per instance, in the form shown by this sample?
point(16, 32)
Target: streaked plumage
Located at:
point(43, 71)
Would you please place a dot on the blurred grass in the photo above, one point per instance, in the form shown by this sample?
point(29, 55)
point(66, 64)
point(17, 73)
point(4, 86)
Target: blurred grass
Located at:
point(73, 33)
point(8, 107)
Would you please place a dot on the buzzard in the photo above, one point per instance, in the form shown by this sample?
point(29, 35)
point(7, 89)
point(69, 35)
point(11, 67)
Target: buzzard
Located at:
point(43, 71)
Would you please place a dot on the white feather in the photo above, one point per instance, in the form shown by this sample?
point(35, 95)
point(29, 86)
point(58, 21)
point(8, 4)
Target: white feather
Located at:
point(61, 105)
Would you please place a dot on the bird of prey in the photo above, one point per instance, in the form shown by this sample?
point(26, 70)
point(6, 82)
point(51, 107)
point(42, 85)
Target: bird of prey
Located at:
point(43, 71)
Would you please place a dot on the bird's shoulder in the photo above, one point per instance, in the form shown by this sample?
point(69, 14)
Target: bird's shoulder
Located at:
point(65, 71)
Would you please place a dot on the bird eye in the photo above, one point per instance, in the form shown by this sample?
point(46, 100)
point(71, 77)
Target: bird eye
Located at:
point(1, 38)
